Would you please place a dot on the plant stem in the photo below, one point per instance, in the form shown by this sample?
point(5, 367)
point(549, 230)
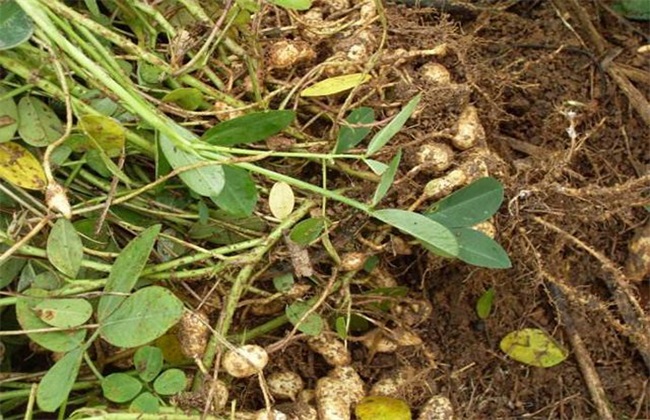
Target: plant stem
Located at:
point(240, 284)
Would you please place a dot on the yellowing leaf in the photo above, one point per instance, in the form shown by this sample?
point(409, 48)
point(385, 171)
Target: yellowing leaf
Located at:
point(382, 408)
point(336, 84)
point(20, 167)
point(533, 347)
point(107, 133)
point(281, 200)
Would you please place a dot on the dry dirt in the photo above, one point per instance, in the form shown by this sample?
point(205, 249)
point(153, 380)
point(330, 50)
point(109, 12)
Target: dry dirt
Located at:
point(570, 212)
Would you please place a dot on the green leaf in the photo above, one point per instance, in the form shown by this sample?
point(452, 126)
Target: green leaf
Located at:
point(149, 74)
point(27, 276)
point(336, 84)
point(307, 231)
point(120, 387)
point(387, 179)
point(145, 403)
point(293, 4)
point(59, 341)
point(143, 317)
point(249, 128)
point(356, 324)
point(125, 271)
point(38, 125)
point(470, 205)
point(186, 98)
point(534, 347)
point(47, 280)
point(170, 382)
point(104, 133)
point(283, 282)
point(379, 407)
point(58, 381)
point(388, 132)
point(484, 303)
point(312, 325)
point(20, 167)
point(64, 248)
point(351, 136)
point(377, 167)
point(148, 362)
point(478, 249)
point(633, 9)
point(207, 181)
point(8, 116)
point(438, 237)
point(9, 270)
point(15, 25)
point(64, 313)
point(239, 195)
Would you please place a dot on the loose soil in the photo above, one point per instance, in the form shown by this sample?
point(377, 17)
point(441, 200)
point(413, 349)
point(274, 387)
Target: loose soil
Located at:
point(570, 212)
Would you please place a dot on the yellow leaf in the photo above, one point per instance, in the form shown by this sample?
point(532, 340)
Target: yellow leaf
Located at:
point(107, 133)
point(533, 347)
point(281, 200)
point(382, 408)
point(336, 84)
point(20, 167)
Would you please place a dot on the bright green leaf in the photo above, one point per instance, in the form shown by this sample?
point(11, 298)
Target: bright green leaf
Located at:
point(8, 116)
point(120, 387)
point(59, 341)
point(470, 205)
point(143, 317)
point(64, 248)
point(281, 200)
point(105, 133)
point(207, 181)
point(336, 84)
point(145, 403)
point(38, 125)
point(378, 407)
point(293, 4)
point(387, 179)
point(533, 347)
point(239, 195)
point(283, 282)
point(484, 303)
point(307, 231)
point(170, 382)
point(311, 325)
point(186, 98)
point(15, 25)
point(422, 228)
point(125, 271)
point(478, 249)
point(349, 136)
point(149, 74)
point(20, 167)
point(249, 128)
point(64, 313)
point(148, 362)
point(58, 381)
point(393, 127)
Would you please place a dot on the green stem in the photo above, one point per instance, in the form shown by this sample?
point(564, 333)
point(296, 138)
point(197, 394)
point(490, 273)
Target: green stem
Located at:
point(240, 285)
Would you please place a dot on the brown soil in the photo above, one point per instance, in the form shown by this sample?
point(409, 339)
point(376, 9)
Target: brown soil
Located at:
point(571, 211)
